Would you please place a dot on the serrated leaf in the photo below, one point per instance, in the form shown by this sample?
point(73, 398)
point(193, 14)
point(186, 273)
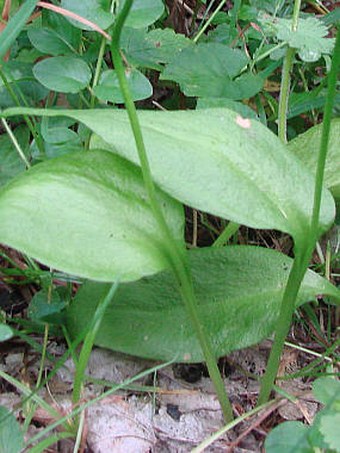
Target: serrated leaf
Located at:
point(309, 38)
point(238, 289)
point(11, 436)
point(87, 214)
point(63, 74)
point(97, 11)
point(143, 12)
point(289, 437)
point(307, 146)
point(154, 48)
point(108, 88)
point(209, 70)
point(215, 161)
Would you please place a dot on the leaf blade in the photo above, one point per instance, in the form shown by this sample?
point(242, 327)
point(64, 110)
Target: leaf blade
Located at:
point(87, 214)
point(238, 289)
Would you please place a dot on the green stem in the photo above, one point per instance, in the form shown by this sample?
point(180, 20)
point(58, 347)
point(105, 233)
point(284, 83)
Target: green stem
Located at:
point(175, 252)
point(226, 234)
point(15, 142)
point(283, 324)
point(88, 343)
point(303, 255)
point(30, 123)
point(97, 71)
point(208, 22)
point(284, 94)
point(332, 81)
point(285, 82)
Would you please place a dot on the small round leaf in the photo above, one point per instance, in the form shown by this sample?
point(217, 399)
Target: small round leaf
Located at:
point(63, 74)
point(109, 90)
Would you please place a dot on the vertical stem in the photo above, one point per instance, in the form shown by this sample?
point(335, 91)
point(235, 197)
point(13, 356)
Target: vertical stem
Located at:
point(89, 341)
point(283, 324)
point(97, 70)
point(208, 22)
point(284, 94)
point(304, 253)
point(174, 251)
point(15, 142)
point(285, 82)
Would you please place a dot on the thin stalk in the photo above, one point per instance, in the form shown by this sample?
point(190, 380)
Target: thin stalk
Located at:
point(208, 22)
point(320, 170)
point(175, 253)
point(88, 343)
point(284, 94)
point(30, 122)
point(285, 82)
point(226, 234)
point(303, 255)
point(15, 143)
point(97, 70)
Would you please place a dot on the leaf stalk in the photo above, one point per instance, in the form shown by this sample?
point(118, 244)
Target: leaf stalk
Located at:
point(174, 252)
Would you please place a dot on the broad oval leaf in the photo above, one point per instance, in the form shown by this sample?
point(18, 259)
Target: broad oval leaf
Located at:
point(87, 214)
point(63, 74)
point(108, 88)
point(216, 161)
point(97, 11)
point(49, 41)
point(239, 291)
point(143, 12)
point(307, 146)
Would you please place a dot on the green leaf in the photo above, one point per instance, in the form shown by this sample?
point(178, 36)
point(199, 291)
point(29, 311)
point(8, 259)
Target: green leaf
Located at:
point(309, 39)
point(307, 146)
point(11, 436)
point(5, 333)
point(11, 164)
point(21, 80)
point(87, 214)
point(327, 391)
point(49, 41)
point(143, 12)
point(108, 88)
point(15, 26)
point(65, 30)
point(209, 69)
point(238, 288)
point(329, 427)
point(289, 437)
point(97, 11)
point(215, 161)
point(152, 49)
point(43, 304)
point(239, 107)
point(63, 74)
